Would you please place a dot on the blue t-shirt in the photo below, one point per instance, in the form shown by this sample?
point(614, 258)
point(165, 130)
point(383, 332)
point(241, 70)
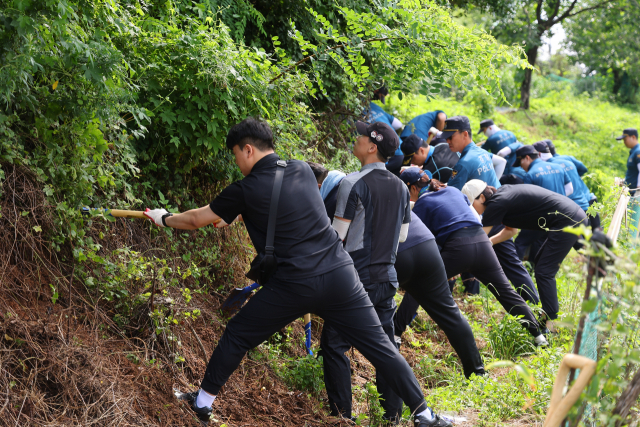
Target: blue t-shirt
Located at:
point(581, 193)
point(499, 140)
point(421, 124)
point(475, 163)
point(632, 168)
point(519, 172)
point(580, 167)
point(377, 114)
point(547, 175)
point(418, 233)
point(444, 212)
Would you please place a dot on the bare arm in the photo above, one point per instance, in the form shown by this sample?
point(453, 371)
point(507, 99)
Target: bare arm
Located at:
point(195, 218)
point(506, 234)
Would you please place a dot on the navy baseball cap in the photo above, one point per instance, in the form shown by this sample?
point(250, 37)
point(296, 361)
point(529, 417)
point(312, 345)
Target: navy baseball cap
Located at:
point(522, 152)
point(628, 132)
point(380, 134)
point(541, 147)
point(485, 124)
point(410, 146)
point(413, 174)
point(552, 148)
point(511, 179)
point(455, 124)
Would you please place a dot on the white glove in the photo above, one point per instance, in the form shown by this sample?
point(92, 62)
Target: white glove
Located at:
point(433, 131)
point(156, 215)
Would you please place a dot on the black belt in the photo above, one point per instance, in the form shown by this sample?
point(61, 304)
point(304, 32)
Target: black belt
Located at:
point(466, 232)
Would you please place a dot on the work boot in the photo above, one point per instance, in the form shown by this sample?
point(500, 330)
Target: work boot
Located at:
point(203, 414)
point(436, 421)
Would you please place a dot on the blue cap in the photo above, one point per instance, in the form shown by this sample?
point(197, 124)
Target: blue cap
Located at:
point(412, 175)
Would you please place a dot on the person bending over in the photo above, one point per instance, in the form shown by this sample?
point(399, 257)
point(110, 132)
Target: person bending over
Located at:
point(465, 246)
point(530, 207)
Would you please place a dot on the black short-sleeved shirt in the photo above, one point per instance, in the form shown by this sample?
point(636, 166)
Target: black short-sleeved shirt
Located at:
point(305, 243)
point(531, 207)
point(377, 204)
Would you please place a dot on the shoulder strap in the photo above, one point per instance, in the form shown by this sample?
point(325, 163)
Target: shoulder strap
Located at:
point(273, 208)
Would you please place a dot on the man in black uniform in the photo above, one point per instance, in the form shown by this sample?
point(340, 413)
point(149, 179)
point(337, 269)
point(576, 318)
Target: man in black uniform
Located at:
point(372, 215)
point(314, 273)
point(530, 207)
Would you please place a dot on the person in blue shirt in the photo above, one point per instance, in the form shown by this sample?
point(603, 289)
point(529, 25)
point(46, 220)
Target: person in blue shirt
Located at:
point(375, 113)
point(509, 154)
point(438, 160)
point(581, 169)
point(421, 124)
point(497, 138)
point(474, 163)
point(581, 193)
point(553, 177)
point(550, 176)
point(632, 179)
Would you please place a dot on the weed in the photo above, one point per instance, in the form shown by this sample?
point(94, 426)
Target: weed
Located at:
point(508, 339)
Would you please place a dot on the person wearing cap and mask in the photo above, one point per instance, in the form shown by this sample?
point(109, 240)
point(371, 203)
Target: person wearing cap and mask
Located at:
point(421, 124)
point(632, 179)
point(531, 207)
point(421, 274)
point(474, 163)
point(581, 193)
point(372, 216)
point(438, 160)
point(464, 245)
point(594, 221)
point(549, 176)
point(497, 138)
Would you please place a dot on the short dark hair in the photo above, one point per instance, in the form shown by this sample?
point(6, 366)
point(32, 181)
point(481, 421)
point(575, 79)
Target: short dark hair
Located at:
point(319, 171)
point(251, 131)
point(488, 193)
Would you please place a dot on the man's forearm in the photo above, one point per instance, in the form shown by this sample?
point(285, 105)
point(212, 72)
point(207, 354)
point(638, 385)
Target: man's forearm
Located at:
point(194, 218)
point(504, 235)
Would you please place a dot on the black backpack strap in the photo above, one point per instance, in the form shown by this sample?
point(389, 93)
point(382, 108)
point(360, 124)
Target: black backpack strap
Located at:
point(273, 208)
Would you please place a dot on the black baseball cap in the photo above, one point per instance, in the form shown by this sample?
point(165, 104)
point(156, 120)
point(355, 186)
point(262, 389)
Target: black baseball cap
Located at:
point(511, 179)
point(485, 124)
point(455, 124)
point(380, 134)
point(522, 152)
point(541, 147)
point(628, 132)
point(410, 146)
point(552, 148)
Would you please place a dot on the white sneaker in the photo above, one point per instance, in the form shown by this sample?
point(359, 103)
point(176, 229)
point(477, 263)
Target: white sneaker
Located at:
point(541, 341)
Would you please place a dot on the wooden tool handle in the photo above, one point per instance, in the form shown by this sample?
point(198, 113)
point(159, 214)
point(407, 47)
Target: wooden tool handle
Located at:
point(127, 214)
point(307, 318)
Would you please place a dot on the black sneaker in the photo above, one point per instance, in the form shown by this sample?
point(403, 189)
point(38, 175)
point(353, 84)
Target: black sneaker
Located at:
point(422, 421)
point(203, 414)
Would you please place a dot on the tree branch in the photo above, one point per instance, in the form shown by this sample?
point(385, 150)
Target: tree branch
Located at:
point(539, 13)
point(568, 14)
point(303, 60)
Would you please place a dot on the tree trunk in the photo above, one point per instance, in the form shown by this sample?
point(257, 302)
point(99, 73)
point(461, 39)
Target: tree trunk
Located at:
point(525, 88)
point(617, 80)
point(627, 399)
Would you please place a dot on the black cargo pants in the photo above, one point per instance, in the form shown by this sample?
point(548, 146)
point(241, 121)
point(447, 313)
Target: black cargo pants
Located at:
point(337, 368)
point(421, 273)
point(340, 299)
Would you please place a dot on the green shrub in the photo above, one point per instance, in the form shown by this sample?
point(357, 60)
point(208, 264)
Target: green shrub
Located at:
point(508, 340)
